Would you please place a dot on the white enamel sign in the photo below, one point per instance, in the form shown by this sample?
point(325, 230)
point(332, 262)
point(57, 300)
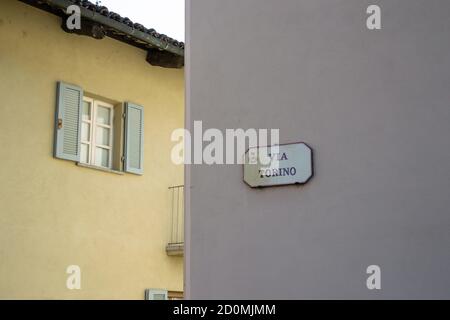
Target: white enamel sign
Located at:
point(278, 165)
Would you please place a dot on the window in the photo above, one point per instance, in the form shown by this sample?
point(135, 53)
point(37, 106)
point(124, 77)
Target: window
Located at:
point(162, 294)
point(155, 294)
point(87, 132)
point(96, 133)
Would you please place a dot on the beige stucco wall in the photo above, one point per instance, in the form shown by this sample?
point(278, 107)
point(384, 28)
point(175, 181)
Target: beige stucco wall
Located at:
point(54, 213)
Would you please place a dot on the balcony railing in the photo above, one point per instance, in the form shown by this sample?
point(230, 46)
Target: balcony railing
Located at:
point(175, 245)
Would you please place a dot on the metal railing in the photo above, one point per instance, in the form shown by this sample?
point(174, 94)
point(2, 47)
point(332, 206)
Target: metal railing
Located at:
point(176, 232)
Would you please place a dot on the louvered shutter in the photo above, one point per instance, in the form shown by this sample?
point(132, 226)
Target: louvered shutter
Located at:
point(68, 122)
point(134, 138)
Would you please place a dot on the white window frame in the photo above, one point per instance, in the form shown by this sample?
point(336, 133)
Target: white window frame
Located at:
point(150, 294)
point(92, 144)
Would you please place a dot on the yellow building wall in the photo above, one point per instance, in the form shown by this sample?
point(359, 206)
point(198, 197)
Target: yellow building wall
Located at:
point(54, 213)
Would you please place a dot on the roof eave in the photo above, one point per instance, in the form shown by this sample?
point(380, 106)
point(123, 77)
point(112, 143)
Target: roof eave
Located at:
point(115, 26)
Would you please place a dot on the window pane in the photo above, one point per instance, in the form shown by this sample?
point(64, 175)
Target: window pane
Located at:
point(102, 136)
point(103, 115)
point(84, 156)
point(85, 131)
point(86, 110)
point(159, 296)
point(101, 157)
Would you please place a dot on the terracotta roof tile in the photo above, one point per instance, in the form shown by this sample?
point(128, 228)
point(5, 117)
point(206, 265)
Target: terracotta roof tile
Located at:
point(125, 20)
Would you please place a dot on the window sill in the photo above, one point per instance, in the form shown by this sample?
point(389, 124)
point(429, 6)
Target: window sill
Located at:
point(84, 165)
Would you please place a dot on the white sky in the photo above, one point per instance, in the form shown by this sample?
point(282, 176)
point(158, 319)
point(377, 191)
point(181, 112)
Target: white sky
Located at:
point(165, 16)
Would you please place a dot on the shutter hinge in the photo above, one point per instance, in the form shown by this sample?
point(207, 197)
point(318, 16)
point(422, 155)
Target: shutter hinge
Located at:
point(124, 115)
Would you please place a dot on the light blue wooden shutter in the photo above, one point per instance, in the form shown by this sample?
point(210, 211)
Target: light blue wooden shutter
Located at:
point(134, 138)
point(68, 122)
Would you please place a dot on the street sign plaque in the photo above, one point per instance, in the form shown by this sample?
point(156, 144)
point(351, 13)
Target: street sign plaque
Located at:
point(278, 165)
